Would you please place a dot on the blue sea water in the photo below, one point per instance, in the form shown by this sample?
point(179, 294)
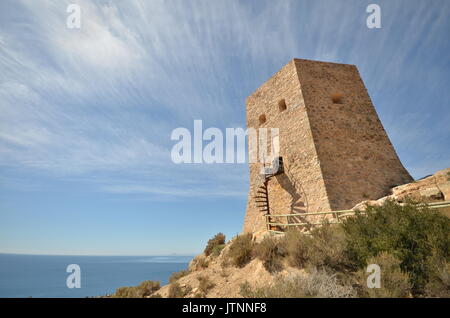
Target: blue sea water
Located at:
point(45, 275)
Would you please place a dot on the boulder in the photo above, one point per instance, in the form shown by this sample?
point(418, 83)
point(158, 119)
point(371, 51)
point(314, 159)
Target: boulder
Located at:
point(432, 188)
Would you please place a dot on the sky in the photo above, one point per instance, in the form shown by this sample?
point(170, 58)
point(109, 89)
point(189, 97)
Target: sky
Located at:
point(86, 114)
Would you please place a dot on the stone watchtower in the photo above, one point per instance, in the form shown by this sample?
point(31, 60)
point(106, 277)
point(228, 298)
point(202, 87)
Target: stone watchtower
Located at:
point(334, 149)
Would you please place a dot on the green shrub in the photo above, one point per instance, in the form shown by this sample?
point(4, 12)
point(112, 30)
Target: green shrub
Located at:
point(217, 250)
point(205, 284)
point(318, 283)
point(271, 251)
point(438, 284)
point(296, 245)
point(394, 282)
point(218, 239)
point(177, 275)
point(241, 250)
point(445, 211)
point(410, 234)
point(328, 247)
point(324, 248)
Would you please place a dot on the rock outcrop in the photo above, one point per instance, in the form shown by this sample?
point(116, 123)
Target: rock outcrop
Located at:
point(433, 188)
point(225, 280)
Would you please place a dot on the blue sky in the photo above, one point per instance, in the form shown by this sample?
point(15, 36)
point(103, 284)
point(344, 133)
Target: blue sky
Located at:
point(86, 115)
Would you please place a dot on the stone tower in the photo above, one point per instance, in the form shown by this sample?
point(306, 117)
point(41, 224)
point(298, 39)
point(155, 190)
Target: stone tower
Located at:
point(334, 148)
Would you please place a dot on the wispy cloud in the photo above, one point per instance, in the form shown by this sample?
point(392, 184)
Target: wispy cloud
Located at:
point(104, 99)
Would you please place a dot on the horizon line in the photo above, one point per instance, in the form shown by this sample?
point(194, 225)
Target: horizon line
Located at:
point(135, 255)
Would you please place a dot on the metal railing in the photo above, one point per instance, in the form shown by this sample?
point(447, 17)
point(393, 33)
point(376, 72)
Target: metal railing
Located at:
point(335, 214)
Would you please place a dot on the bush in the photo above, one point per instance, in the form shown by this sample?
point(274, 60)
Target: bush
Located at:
point(202, 263)
point(328, 247)
point(445, 211)
point(177, 275)
point(271, 251)
point(296, 245)
point(126, 292)
point(205, 284)
point(217, 250)
point(176, 291)
point(319, 284)
point(241, 250)
point(146, 288)
point(394, 282)
point(324, 284)
point(324, 248)
point(218, 239)
point(416, 236)
point(199, 262)
point(438, 284)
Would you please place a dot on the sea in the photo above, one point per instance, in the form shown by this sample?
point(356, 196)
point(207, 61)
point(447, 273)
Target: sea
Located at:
point(43, 276)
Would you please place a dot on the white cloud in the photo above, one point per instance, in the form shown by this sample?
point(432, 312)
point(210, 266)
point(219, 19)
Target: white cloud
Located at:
point(106, 97)
point(174, 191)
point(102, 42)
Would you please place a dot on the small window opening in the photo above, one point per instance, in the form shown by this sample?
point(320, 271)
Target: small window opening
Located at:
point(337, 98)
point(282, 105)
point(262, 119)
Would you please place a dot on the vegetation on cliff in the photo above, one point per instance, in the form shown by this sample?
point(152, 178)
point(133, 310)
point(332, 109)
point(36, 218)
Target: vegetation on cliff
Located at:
point(410, 244)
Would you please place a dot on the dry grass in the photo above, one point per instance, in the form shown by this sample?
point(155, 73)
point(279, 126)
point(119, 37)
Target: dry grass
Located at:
point(205, 284)
point(146, 288)
point(318, 284)
point(177, 291)
point(198, 263)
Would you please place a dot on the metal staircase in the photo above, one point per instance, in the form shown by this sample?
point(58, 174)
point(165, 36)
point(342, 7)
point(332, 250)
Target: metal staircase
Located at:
point(262, 194)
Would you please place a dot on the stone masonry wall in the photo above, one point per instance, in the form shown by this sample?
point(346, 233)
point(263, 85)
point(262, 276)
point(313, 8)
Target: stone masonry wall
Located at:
point(335, 154)
point(358, 161)
point(296, 147)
